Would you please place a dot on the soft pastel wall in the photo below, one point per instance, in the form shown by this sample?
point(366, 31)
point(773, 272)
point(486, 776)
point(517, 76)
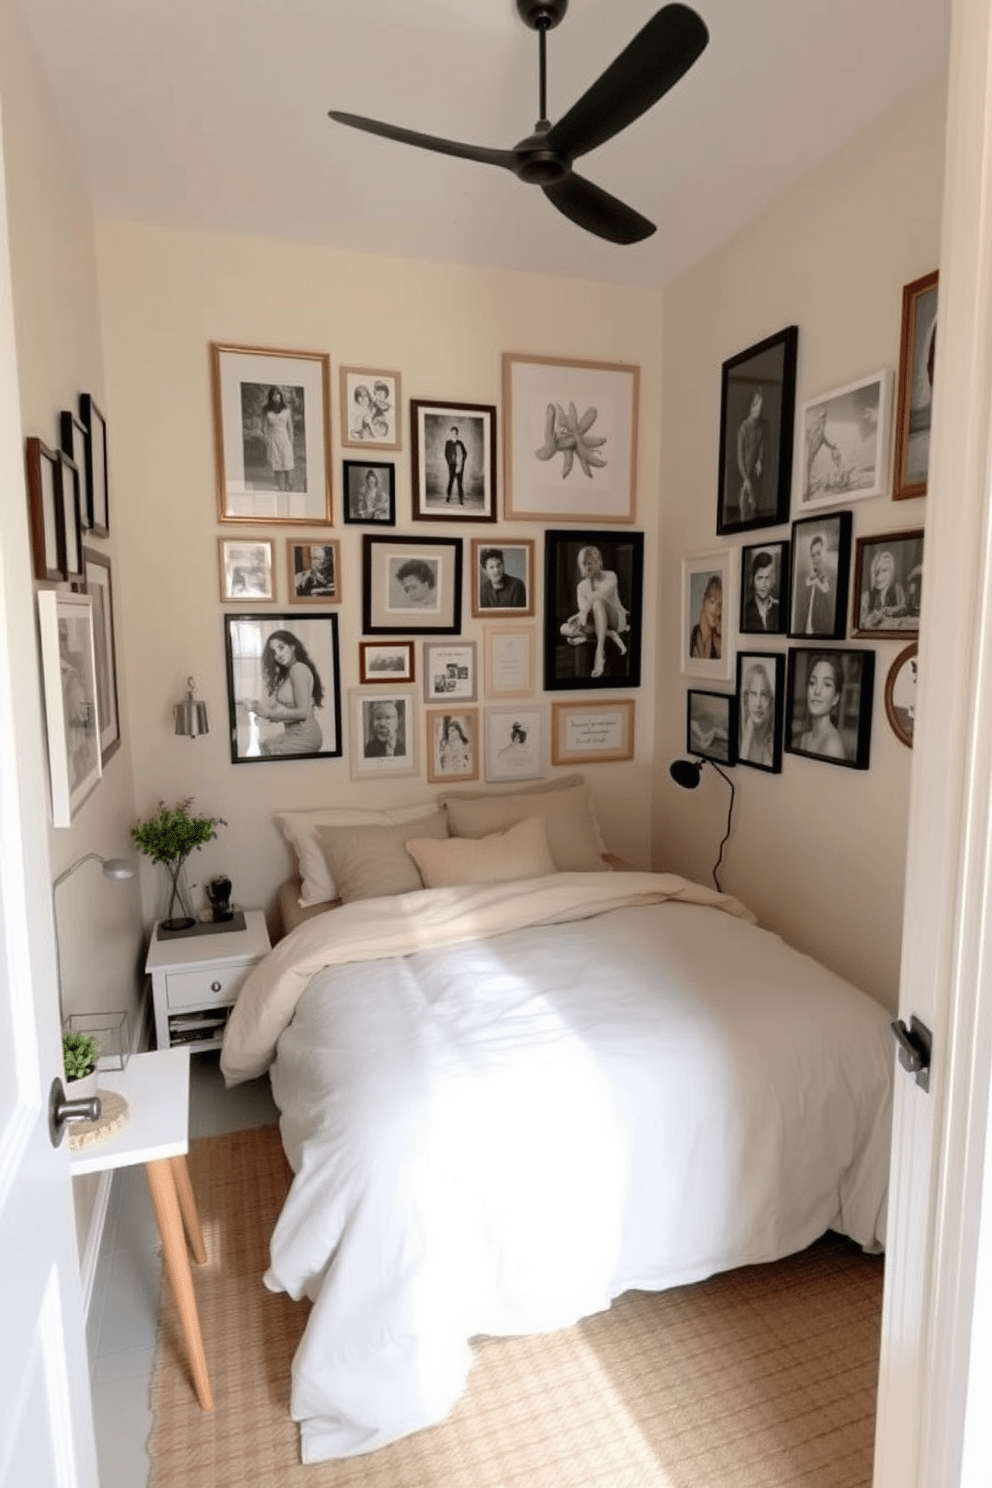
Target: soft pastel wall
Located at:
point(818, 851)
point(165, 295)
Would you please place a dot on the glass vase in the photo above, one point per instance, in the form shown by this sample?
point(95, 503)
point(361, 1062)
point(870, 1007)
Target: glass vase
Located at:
point(177, 915)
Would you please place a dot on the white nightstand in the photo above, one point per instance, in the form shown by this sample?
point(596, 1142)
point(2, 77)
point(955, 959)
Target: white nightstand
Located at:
point(196, 980)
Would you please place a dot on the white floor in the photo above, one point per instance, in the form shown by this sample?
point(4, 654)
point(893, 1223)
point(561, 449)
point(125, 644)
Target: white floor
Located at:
point(123, 1314)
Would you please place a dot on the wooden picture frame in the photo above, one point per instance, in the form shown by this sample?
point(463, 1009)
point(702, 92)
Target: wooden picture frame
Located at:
point(514, 744)
point(43, 510)
point(830, 691)
point(67, 498)
point(272, 434)
point(389, 662)
point(72, 439)
point(503, 578)
point(914, 388)
point(900, 694)
point(72, 721)
point(261, 687)
point(821, 568)
point(370, 408)
point(450, 672)
point(96, 461)
point(765, 595)
point(592, 733)
point(247, 570)
point(843, 455)
point(383, 732)
point(888, 585)
point(757, 417)
point(711, 725)
point(452, 744)
point(368, 493)
point(510, 660)
point(707, 614)
point(96, 571)
point(431, 571)
point(760, 709)
point(313, 572)
point(575, 655)
point(570, 439)
point(453, 461)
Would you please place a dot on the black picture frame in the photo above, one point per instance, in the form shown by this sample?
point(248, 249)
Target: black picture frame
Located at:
point(816, 611)
point(357, 508)
point(257, 740)
point(444, 491)
point(852, 685)
point(711, 725)
point(96, 464)
point(768, 564)
point(891, 612)
point(67, 492)
point(572, 657)
point(387, 609)
point(759, 723)
point(72, 438)
point(769, 368)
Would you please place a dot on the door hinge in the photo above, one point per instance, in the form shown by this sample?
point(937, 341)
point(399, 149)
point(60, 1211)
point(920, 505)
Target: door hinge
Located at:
point(915, 1048)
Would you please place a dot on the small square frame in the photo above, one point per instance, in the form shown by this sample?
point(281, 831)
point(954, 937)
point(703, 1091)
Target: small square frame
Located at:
point(450, 672)
point(514, 743)
point(895, 613)
point(592, 733)
point(246, 566)
point(711, 725)
point(806, 608)
point(517, 557)
point(439, 471)
point(914, 388)
point(768, 368)
point(72, 719)
point(389, 662)
point(368, 493)
point(759, 742)
point(848, 743)
point(257, 740)
point(706, 653)
point(452, 739)
point(387, 609)
point(370, 408)
point(364, 764)
point(313, 571)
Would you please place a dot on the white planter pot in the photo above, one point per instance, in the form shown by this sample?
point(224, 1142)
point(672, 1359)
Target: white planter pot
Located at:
point(81, 1089)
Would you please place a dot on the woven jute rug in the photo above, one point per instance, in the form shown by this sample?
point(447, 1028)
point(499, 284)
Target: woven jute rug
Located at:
point(764, 1377)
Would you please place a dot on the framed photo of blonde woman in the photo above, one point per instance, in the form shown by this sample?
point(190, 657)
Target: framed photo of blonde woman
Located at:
point(707, 614)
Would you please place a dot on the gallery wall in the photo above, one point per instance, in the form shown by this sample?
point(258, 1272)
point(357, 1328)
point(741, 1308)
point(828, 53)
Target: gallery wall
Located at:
point(818, 850)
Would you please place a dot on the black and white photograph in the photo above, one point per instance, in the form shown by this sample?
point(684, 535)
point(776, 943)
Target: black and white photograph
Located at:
point(845, 446)
point(829, 704)
point(592, 609)
point(765, 588)
point(246, 569)
point(453, 459)
point(757, 411)
point(386, 661)
point(514, 743)
point(283, 687)
point(370, 408)
point(900, 694)
point(711, 725)
point(914, 388)
point(411, 583)
point(503, 578)
point(271, 434)
point(96, 567)
point(450, 672)
point(383, 738)
point(452, 744)
point(314, 572)
point(65, 625)
point(369, 493)
point(707, 614)
point(821, 562)
point(888, 585)
point(760, 687)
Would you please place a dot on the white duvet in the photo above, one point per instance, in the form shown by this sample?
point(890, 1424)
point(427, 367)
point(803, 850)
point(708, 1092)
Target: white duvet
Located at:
point(498, 1135)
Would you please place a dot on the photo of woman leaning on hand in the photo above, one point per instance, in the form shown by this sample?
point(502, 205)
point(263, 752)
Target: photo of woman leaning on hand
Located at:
point(293, 690)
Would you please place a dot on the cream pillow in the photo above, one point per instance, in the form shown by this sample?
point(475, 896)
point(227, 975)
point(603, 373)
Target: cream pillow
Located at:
point(366, 862)
point(573, 835)
point(519, 852)
point(299, 827)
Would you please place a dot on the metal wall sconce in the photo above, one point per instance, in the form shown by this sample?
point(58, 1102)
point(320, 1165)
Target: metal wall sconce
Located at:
point(686, 773)
point(191, 715)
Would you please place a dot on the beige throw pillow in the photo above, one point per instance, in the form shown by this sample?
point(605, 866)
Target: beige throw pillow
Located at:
point(299, 828)
point(573, 836)
point(519, 852)
point(366, 862)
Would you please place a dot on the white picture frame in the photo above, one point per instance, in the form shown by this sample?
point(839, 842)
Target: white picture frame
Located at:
point(246, 570)
point(510, 660)
point(700, 571)
point(843, 453)
point(450, 672)
point(369, 744)
point(72, 721)
point(515, 743)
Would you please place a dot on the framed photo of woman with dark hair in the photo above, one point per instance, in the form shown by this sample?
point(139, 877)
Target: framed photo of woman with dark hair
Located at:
point(283, 687)
point(830, 692)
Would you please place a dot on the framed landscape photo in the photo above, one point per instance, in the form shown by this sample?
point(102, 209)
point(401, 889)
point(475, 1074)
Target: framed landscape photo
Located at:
point(711, 725)
point(760, 689)
point(514, 743)
point(707, 610)
point(821, 563)
point(765, 588)
point(914, 388)
point(900, 695)
point(452, 744)
point(314, 572)
point(272, 434)
point(593, 604)
point(97, 465)
point(509, 661)
point(283, 687)
point(369, 497)
point(888, 585)
point(43, 510)
point(72, 720)
point(502, 577)
point(450, 672)
point(383, 733)
point(386, 661)
point(370, 408)
point(829, 704)
point(757, 413)
point(96, 570)
point(570, 433)
point(246, 569)
point(592, 733)
point(844, 454)
point(453, 461)
point(411, 583)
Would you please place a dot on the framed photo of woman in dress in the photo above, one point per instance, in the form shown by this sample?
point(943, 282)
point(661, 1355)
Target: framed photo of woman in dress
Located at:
point(830, 693)
point(592, 609)
point(283, 687)
point(760, 685)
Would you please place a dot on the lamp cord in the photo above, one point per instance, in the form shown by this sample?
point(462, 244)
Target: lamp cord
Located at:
point(730, 814)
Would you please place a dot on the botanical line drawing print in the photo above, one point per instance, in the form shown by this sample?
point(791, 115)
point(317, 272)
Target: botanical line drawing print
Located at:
point(566, 434)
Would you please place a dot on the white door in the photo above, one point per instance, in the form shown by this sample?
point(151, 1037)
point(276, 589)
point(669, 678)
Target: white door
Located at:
point(46, 1428)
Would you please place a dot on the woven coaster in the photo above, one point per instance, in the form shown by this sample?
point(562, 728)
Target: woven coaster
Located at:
point(113, 1115)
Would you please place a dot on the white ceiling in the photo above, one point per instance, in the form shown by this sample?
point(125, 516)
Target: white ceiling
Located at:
point(213, 114)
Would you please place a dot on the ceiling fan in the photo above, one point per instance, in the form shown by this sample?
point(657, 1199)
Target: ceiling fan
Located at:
point(659, 55)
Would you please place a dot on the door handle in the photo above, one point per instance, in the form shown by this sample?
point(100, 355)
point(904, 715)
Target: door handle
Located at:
point(61, 1111)
point(915, 1048)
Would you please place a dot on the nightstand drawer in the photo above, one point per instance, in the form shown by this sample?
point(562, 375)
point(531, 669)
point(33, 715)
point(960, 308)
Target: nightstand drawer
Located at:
point(210, 984)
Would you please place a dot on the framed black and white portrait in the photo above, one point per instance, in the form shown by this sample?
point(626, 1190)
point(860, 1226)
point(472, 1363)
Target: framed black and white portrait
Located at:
point(707, 614)
point(369, 493)
point(821, 564)
point(411, 583)
point(383, 732)
point(502, 578)
point(283, 687)
point(592, 609)
point(830, 695)
point(453, 458)
point(760, 688)
point(844, 452)
point(765, 588)
point(246, 570)
point(914, 391)
point(314, 572)
point(757, 411)
point(888, 585)
point(711, 725)
point(452, 744)
point(370, 408)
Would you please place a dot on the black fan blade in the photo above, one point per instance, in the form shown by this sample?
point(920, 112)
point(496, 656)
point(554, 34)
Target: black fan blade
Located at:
point(660, 53)
point(597, 211)
point(504, 158)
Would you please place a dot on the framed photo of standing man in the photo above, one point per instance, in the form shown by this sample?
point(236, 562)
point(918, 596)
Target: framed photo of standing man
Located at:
point(757, 413)
point(821, 562)
point(453, 461)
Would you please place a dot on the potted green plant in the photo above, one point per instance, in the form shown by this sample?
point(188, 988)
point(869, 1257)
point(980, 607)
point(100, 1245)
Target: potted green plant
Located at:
point(169, 838)
point(80, 1055)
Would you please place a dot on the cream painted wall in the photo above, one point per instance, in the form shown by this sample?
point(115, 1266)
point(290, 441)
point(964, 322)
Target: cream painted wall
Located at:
point(164, 296)
point(817, 851)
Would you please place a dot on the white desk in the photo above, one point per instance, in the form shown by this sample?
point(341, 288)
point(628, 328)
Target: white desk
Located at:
point(156, 1088)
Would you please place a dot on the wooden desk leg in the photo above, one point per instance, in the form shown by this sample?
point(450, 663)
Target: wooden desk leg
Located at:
point(187, 1205)
point(165, 1199)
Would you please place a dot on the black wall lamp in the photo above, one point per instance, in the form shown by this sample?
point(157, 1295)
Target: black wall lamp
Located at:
point(686, 773)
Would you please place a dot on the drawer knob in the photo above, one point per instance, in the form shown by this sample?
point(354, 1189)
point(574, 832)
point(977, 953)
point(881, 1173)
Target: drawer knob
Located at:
point(215, 986)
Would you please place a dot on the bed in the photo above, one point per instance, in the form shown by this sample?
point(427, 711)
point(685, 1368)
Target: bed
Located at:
point(506, 1102)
